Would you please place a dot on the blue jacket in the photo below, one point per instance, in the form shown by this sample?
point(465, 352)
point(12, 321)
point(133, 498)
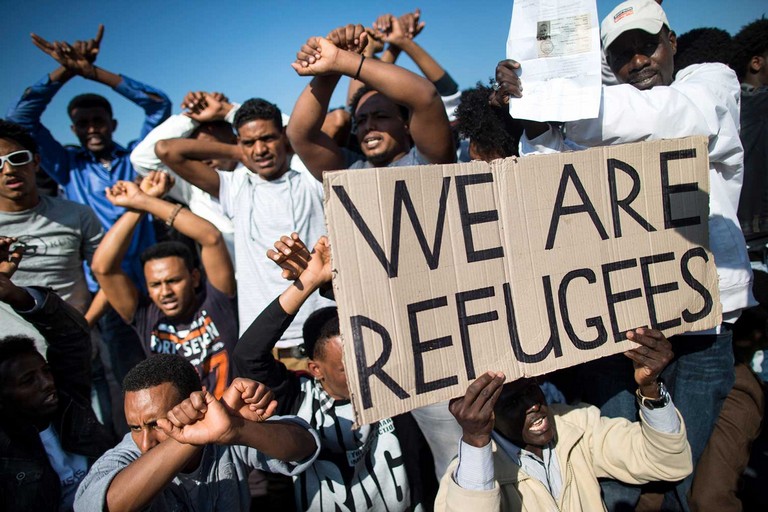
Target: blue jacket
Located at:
point(79, 172)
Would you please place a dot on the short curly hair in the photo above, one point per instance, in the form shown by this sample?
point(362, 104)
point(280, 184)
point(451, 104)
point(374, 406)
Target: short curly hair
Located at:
point(14, 346)
point(168, 249)
point(17, 133)
point(354, 102)
point(257, 108)
point(321, 326)
point(490, 129)
point(89, 100)
point(161, 368)
point(706, 44)
point(751, 40)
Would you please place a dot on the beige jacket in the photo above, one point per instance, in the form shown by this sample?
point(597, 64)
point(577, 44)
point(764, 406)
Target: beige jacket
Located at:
point(588, 447)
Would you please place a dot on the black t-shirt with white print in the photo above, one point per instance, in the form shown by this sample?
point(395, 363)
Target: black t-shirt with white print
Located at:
point(207, 341)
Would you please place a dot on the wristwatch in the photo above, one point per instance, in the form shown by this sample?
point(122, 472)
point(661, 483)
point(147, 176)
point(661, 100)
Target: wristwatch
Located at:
point(654, 403)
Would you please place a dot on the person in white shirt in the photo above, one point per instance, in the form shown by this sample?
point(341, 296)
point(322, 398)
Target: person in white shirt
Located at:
point(652, 104)
point(199, 123)
point(265, 198)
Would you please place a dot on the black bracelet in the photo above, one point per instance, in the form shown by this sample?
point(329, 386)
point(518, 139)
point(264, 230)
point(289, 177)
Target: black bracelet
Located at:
point(360, 67)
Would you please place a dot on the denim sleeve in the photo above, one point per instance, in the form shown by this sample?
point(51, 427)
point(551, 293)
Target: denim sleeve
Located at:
point(155, 111)
point(27, 112)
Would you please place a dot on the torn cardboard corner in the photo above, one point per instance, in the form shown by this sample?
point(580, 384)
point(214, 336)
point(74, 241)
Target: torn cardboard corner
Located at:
point(522, 266)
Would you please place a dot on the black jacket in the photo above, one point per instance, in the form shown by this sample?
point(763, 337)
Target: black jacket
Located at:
point(253, 359)
point(27, 480)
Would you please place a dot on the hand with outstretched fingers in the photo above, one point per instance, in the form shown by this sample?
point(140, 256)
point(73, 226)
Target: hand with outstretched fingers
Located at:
point(291, 255)
point(411, 23)
point(77, 58)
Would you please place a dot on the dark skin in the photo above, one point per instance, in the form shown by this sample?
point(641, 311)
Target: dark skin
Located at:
point(643, 60)
point(636, 57)
point(92, 126)
point(171, 437)
point(510, 86)
point(519, 412)
point(310, 272)
point(327, 60)
point(27, 389)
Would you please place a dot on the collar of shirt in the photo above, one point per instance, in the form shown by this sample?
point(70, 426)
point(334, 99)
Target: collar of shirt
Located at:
point(117, 151)
point(545, 469)
point(255, 179)
point(515, 452)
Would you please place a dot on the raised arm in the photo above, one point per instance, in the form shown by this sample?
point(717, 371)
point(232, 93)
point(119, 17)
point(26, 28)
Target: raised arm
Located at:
point(118, 288)
point(428, 124)
point(315, 275)
point(317, 150)
point(213, 253)
point(253, 357)
point(28, 110)
point(136, 485)
point(144, 157)
point(79, 59)
point(201, 420)
point(64, 328)
point(374, 47)
point(92, 235)
point(186, 158)
point(506, 86)
point(400, 33)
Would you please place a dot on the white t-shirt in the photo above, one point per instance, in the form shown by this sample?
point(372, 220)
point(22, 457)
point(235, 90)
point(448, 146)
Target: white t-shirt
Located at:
point(262, 212)
point(703, 100)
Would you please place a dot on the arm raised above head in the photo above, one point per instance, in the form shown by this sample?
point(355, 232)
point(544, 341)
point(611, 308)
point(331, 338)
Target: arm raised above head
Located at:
point(185, 157)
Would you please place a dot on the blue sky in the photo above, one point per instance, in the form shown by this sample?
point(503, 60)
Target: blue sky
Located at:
point(244, 47)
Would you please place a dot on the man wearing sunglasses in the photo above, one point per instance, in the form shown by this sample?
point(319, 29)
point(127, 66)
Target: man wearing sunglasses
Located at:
point(99, 163)
point(56, 235)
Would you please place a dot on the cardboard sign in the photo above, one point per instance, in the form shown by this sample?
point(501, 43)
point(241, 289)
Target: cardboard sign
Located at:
point(525, 265)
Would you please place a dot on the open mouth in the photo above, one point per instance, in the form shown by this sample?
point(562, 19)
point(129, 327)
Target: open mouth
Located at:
point(372, 141)
point(539, 425)
point(169, 303)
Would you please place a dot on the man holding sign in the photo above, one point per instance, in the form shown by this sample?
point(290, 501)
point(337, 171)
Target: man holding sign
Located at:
point(546, 458)
point(652, 104)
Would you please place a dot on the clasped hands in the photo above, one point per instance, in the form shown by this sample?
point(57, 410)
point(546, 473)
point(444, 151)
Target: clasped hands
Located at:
point(201, 419)
point(78, 57)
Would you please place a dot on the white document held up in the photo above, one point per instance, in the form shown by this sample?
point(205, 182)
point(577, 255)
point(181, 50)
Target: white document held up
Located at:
point(557, 43)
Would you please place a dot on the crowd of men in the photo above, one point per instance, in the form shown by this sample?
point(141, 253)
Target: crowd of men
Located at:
point(179, 293)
